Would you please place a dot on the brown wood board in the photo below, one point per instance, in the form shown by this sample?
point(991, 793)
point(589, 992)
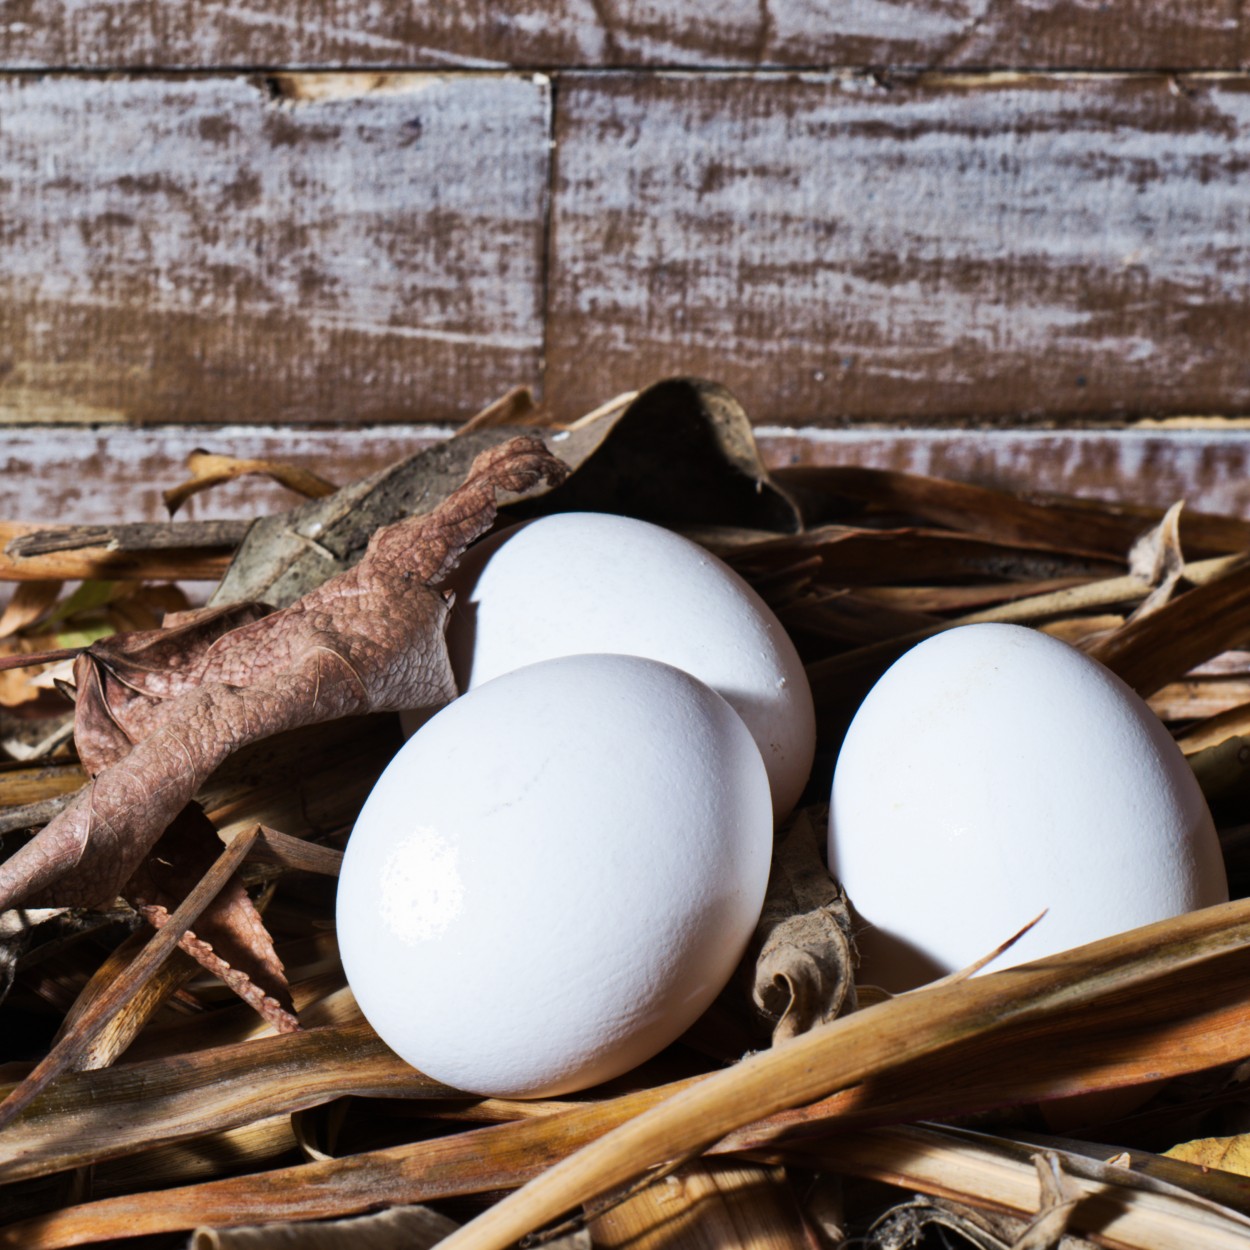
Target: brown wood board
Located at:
point(943, 249)
point(117, 473)
point(233, 248)
point(624, 33)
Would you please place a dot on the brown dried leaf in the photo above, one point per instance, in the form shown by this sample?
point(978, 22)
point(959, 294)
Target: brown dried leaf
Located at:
point(804, 972)
point(1157, 559)
point(515, 408)
point(370, 639)
point(229, 939)
point(833, 492)
point(1151, 651)
point(30, 601)
point(1060, 1195)
point(855, 556)
point(209, 469)
point(121, 679)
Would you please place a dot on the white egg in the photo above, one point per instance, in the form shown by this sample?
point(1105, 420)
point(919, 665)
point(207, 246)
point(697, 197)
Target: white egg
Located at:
point(995, 773)
point(554, 878)
point(591, 582)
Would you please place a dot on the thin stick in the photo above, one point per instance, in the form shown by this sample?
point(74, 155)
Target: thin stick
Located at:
point(273, 847)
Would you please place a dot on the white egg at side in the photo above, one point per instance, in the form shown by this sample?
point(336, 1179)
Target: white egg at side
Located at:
point(556, 875)
point(994, 773)
point(592, 582)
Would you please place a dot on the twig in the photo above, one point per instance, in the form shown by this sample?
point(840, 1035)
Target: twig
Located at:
point(76, 1043)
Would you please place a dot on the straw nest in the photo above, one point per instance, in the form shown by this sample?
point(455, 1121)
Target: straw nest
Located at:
point(155, 1108)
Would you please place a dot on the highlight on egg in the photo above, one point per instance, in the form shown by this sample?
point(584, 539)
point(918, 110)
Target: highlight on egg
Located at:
point(556, 875)
point(992, 774)
point(584, 582)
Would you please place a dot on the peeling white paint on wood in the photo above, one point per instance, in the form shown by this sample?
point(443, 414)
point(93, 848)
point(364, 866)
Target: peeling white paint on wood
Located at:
point(835, 248)
point(1172, 34)
point(216, 249)
point(75, 475)
point(1209, 468)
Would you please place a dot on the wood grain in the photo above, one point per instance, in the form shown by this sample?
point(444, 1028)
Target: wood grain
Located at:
point(623, 33)
point(296, 249)
point(838, 248)
point(117, 473)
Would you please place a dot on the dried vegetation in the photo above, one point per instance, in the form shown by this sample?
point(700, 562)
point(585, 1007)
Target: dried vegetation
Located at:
point(182, 1062)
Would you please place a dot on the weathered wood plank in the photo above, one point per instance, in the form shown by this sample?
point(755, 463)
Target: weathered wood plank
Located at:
point(946, 249)
point(304, 249)
point(117, 473)
point(623, 33)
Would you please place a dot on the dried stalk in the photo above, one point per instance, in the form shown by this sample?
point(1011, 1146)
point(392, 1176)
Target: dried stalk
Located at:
point(219, 537)
point(850, 1051)
point(973, 1041)
point(123, 1026)
point(72, 1048)
point(161, 564)
point(712, 1205)
point(90, 1116)
point(1118, 1206)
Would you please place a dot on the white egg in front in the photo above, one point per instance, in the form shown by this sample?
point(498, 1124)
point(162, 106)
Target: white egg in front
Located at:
point(555, 877)
point(591, 582)
point(995, 773)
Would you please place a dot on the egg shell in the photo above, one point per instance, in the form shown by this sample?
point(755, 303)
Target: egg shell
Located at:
point(591, 582)
point(556, 875)
point(994, 773)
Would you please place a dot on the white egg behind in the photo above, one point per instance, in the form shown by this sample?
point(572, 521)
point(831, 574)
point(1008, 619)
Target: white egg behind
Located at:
point(556, 875)
point(586, 582)
point(994, 773)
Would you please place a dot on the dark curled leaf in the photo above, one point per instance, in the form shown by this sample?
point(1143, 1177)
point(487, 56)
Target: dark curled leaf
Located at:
point(680, 453)
point(804, 973)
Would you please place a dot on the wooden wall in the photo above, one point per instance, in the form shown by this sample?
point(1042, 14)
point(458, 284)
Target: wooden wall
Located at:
point(908, 216)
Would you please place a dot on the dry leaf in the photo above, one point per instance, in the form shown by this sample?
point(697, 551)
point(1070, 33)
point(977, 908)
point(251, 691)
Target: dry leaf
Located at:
point(1189, 629)
point(834, 492)
point(30, 601)
point(229, 938)
point(209, 469)
point(804, 972)
point(1157, 559)
point(1229, 1154)
point(1059, 1198)
point(680, 453)
point(369, 640)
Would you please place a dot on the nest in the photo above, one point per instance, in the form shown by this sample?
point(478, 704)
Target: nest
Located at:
point(148, 1105)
